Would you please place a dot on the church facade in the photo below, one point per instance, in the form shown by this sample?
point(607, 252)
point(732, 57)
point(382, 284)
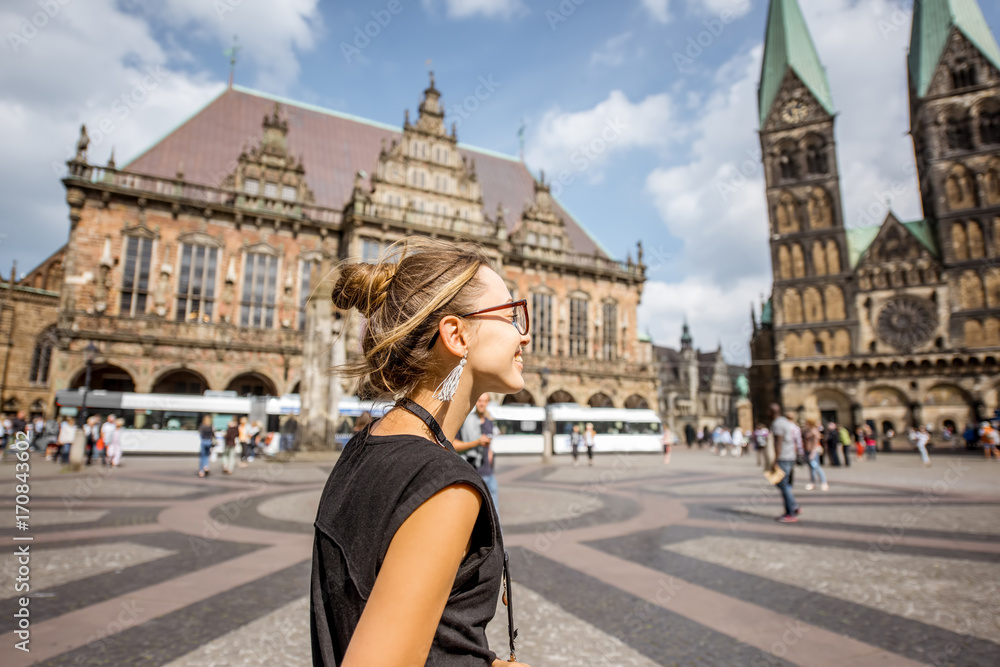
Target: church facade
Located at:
point(206, 262)
point(897, 324)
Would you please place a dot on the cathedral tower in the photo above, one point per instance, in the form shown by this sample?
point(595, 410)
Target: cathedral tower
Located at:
point(813, 316)
point(954, 77)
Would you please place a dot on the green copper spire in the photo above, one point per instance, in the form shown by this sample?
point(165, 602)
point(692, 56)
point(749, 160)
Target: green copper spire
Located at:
point(932, 24)
point(789, 46)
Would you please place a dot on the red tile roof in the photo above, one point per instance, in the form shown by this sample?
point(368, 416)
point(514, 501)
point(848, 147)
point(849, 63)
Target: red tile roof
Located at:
point(333, 147)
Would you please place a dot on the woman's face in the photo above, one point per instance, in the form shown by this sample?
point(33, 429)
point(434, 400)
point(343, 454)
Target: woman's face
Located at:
point(495, 353)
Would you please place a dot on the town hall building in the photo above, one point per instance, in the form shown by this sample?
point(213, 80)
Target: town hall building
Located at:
point(206, 263)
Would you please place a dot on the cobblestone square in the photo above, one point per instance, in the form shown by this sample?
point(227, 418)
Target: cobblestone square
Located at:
point(629, 562)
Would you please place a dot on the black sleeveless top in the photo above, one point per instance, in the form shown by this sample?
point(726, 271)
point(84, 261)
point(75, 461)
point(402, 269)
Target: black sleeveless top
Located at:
point(377, 483)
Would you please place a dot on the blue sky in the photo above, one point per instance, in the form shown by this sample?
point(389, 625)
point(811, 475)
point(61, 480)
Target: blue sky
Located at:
point(568, 69)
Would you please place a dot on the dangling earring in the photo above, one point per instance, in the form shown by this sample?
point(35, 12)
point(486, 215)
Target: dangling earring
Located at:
point(446, 390)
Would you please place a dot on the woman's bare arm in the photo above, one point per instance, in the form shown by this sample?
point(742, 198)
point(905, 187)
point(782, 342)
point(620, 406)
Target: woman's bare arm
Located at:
point(402, 614)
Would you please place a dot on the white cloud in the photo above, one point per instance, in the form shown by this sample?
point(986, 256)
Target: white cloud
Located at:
point(461, 9)
point(863, 46)
point(716, 315)
point(95, 65)
point(270, 33)
point(658, 9)
point(612, 52)
point(735, 7)
point(714, 202)
point(582, 141)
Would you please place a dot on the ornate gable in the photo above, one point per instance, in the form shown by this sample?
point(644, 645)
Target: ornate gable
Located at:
point(268, 176)
point(423, 173)
point(540, 228)
point(794, 106)
point(896, 258)
point(962, 65)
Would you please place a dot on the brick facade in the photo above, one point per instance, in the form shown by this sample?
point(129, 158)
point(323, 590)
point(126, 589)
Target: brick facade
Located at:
point(201, 280)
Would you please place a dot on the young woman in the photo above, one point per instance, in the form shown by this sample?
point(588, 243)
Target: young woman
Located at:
point(668, 443)
point(408, 556)
point(812, 441)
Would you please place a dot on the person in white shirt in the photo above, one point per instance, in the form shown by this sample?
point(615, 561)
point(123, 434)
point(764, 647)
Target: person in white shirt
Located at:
point(920, 438)
point(67, 432)
point(725, 441)
point(108, 429)
point(738, 442)
point(783, 431)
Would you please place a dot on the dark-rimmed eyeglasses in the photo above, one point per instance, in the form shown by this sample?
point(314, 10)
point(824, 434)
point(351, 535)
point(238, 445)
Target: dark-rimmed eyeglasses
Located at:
point(519, 317)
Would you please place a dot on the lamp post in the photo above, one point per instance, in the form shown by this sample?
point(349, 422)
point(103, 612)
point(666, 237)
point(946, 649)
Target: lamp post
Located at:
point(547, 425)
point(76, 450)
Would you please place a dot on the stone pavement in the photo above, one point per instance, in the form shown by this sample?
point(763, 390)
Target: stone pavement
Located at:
point(627, 563)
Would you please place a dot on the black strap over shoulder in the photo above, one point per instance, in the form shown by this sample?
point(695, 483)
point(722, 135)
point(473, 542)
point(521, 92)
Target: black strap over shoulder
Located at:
point(418, 411)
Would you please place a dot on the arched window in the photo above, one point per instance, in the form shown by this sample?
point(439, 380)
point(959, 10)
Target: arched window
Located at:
point(784, 263)
point(260, 280)
point(958, 131)
point(834, 303)
point(787, 215)
point(959, 188)
point(135, 275)
point(798, 261)
point(963, 74)
point(959, 243)
point(992, 178)
point(788, 161)
point(819, 258)
point(832, 257)
point(793, 307)
point(820, 209)
point(992, 277)
point(989, 122)
point(975, 234)
point(42, 356)
point(972, 291)
point(973, 333)
point(813, 303)
point(816, 156)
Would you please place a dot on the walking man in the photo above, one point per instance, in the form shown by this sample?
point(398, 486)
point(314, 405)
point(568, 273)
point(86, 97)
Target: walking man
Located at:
point(784, 448)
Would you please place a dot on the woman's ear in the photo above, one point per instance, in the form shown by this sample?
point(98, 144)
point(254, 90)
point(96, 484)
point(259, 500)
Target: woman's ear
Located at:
point(453, 335)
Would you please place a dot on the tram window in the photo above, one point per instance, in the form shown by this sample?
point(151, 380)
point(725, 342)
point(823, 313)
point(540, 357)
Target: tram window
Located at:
point(644, 428)
point(609, 428)
point(169, 420)
point(511, 427)
point(567, 427)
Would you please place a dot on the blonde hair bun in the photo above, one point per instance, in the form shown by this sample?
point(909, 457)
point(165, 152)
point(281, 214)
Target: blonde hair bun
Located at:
point(364, 287)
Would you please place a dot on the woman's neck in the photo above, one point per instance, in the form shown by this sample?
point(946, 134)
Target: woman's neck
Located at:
point(449, 415)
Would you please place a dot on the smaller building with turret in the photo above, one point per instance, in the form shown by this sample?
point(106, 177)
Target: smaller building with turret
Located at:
point(696, 388)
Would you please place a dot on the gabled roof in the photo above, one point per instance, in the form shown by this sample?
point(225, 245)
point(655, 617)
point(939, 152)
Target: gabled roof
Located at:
point(859, 239)
point(932, 24)
point(333, 147)
point(788, 45)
